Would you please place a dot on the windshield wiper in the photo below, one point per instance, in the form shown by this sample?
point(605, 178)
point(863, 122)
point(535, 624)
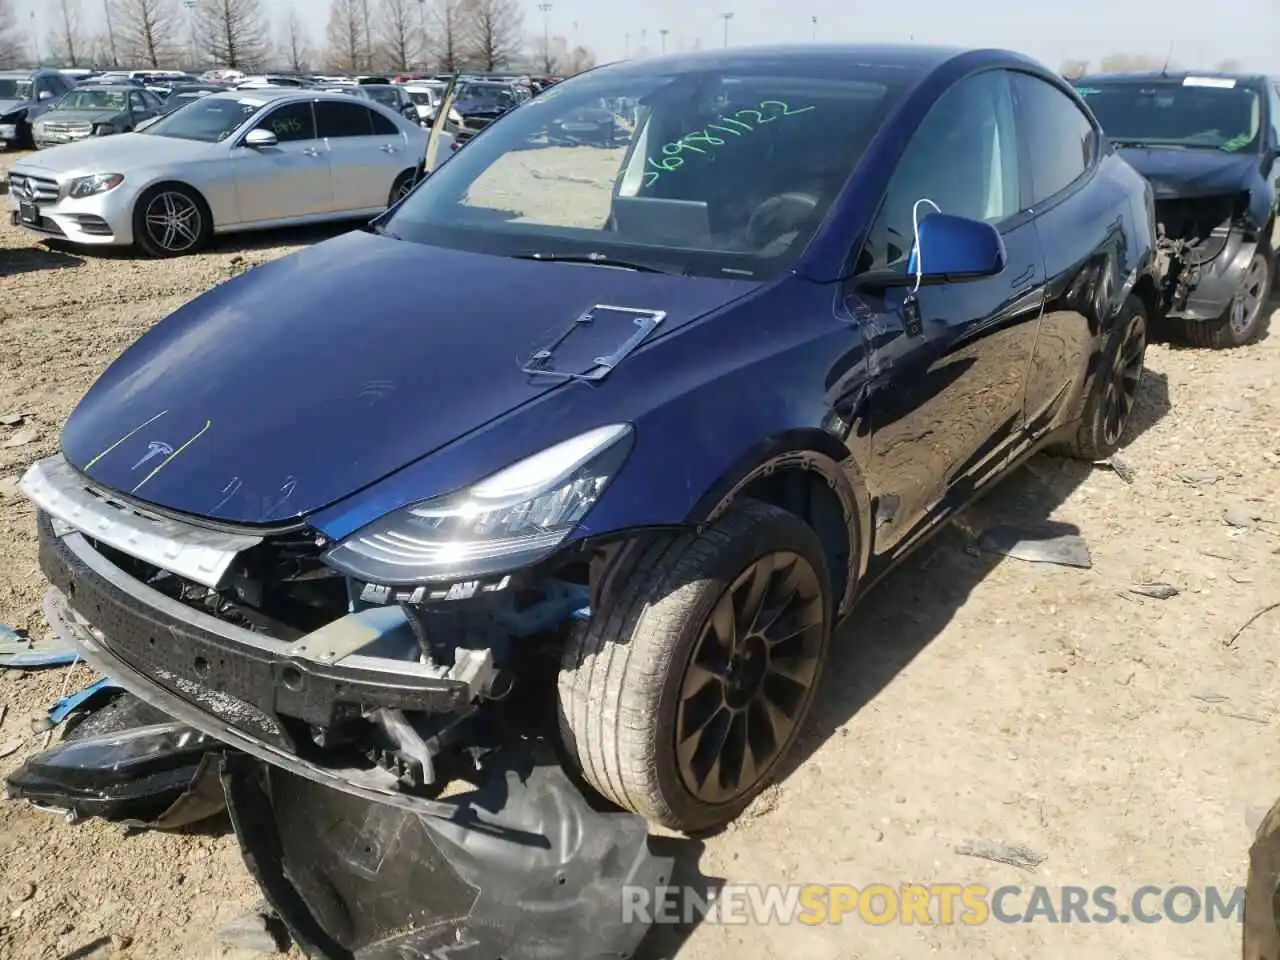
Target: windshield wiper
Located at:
point(596, 259)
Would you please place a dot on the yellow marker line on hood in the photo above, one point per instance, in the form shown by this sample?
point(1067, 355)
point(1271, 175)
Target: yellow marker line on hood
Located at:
point(123, 439)
point(165, 462)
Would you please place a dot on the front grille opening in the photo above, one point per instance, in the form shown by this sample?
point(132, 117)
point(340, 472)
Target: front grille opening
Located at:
point(278, 587)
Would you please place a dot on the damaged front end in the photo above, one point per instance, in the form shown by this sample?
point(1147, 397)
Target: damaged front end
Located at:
point(1205, 246)
point(359, 709)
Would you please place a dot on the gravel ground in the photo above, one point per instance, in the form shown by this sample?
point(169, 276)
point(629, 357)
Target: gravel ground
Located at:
point(1120, 737)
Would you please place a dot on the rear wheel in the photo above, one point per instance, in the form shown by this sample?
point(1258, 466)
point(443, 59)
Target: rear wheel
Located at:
point(1114, 389)
point(679, 701)
point(400, 189)
point(170, 220)
point(1246, 316)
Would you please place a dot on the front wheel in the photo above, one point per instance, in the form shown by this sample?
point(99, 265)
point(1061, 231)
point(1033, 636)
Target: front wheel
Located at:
point(1246, 316)
point(170, 220)
point(1113, 391)
point(401, 188)
point(678, 701)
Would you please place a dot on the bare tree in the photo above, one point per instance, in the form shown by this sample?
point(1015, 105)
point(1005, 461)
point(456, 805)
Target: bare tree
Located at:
point(66, 39)
point(445, 34)
point(346, 38)
point(12, 42)
point(398, 33)
point(294, 48)
point(579, 59)
point(494, 31)
point(232, 33)
point(148, 31)
point(1130, 63)
point(1072, 68)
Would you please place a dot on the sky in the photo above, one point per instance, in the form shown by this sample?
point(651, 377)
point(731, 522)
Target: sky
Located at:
point(1201, 32)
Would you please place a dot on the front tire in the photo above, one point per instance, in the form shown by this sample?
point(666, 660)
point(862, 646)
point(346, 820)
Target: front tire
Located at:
point(171, 220)
point(679, 699)
point(1246, 316)
point(1113, 392)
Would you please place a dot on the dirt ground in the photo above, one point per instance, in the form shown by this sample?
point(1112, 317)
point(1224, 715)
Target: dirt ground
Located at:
point(971, 698)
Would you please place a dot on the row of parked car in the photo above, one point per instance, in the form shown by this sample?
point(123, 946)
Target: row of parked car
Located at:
point(1206, 143)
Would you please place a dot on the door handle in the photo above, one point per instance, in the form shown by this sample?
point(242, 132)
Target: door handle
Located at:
point(1025, 277)
point(389, 148)
point(311, 152)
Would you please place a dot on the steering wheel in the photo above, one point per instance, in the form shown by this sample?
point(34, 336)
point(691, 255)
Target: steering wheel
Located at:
point(777, 217)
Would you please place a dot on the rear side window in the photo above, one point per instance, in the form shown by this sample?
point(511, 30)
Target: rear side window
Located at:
point(382, 127)
point(1060, 139)
point(293, 121)
point(1275, 114)
point(338, 119)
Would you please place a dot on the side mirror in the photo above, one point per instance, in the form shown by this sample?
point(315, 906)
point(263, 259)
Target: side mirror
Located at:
point(953, 249)
point(257, 139)
point(45, 95)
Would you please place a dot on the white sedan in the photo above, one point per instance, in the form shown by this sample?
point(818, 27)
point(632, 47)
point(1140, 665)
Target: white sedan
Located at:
point(241, 160)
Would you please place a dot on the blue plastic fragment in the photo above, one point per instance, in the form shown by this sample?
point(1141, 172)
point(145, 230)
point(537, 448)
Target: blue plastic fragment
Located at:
point(25, 653)
point(65, 705)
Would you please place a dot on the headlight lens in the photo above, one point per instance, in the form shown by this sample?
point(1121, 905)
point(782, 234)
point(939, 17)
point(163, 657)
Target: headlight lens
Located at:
point(98, 183)
point(512, 518)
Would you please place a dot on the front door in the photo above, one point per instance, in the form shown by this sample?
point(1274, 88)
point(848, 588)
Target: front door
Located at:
point(949, 375)
point(290, 179)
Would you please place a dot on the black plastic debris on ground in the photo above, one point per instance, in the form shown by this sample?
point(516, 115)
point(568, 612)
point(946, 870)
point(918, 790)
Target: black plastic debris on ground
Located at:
point(127, 762)
point(526, 869)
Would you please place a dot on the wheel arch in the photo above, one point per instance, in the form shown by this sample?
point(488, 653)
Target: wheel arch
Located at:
point(160, 182)
point(811, 474)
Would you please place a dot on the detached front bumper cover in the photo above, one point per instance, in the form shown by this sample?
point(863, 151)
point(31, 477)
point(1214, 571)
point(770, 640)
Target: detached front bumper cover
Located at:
point(354, 879)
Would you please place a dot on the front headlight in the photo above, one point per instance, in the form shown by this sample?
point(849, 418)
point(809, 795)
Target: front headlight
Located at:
point(82, 187)
point(513, 518)
point(104, 129)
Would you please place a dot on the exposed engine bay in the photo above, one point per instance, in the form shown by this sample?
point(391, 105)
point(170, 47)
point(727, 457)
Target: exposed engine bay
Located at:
point(1203, 246)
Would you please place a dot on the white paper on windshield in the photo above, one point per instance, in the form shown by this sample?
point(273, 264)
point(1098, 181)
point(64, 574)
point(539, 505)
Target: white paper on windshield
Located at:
point(252, 103)
point(1222, 83)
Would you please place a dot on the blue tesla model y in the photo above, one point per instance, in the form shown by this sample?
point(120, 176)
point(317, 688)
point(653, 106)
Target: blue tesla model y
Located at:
point(619, 430)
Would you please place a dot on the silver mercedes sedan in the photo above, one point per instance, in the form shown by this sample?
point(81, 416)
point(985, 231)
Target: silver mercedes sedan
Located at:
point(240, 160)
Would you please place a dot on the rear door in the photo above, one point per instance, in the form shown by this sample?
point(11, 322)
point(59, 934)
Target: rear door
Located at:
point(1081, 219)
point(366, 150)
point(290, 179)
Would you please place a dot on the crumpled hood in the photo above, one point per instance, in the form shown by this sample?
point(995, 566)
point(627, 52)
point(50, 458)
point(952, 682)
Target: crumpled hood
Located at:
point(310, 377)
point(1188, 174)
point(8, 106)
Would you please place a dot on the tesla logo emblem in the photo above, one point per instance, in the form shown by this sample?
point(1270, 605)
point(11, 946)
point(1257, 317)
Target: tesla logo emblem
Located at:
point(154, 449)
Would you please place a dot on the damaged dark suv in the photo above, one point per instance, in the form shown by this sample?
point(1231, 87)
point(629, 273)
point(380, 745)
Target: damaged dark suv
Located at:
point(1210, 146)
point(619, 433)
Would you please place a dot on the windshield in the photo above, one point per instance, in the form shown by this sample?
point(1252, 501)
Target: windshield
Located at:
point(423, 98)
point(384, 95)
point(209, 119)
point(714, 173)
point(92, 100)
point(11, 89)
point(1211, 113)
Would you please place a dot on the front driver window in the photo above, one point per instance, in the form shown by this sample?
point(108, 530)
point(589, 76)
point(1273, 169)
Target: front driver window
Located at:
point(291, 122)
point(963, 158)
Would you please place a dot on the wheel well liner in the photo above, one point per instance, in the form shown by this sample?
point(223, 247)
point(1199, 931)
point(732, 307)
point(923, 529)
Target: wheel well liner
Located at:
point(808, 473)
